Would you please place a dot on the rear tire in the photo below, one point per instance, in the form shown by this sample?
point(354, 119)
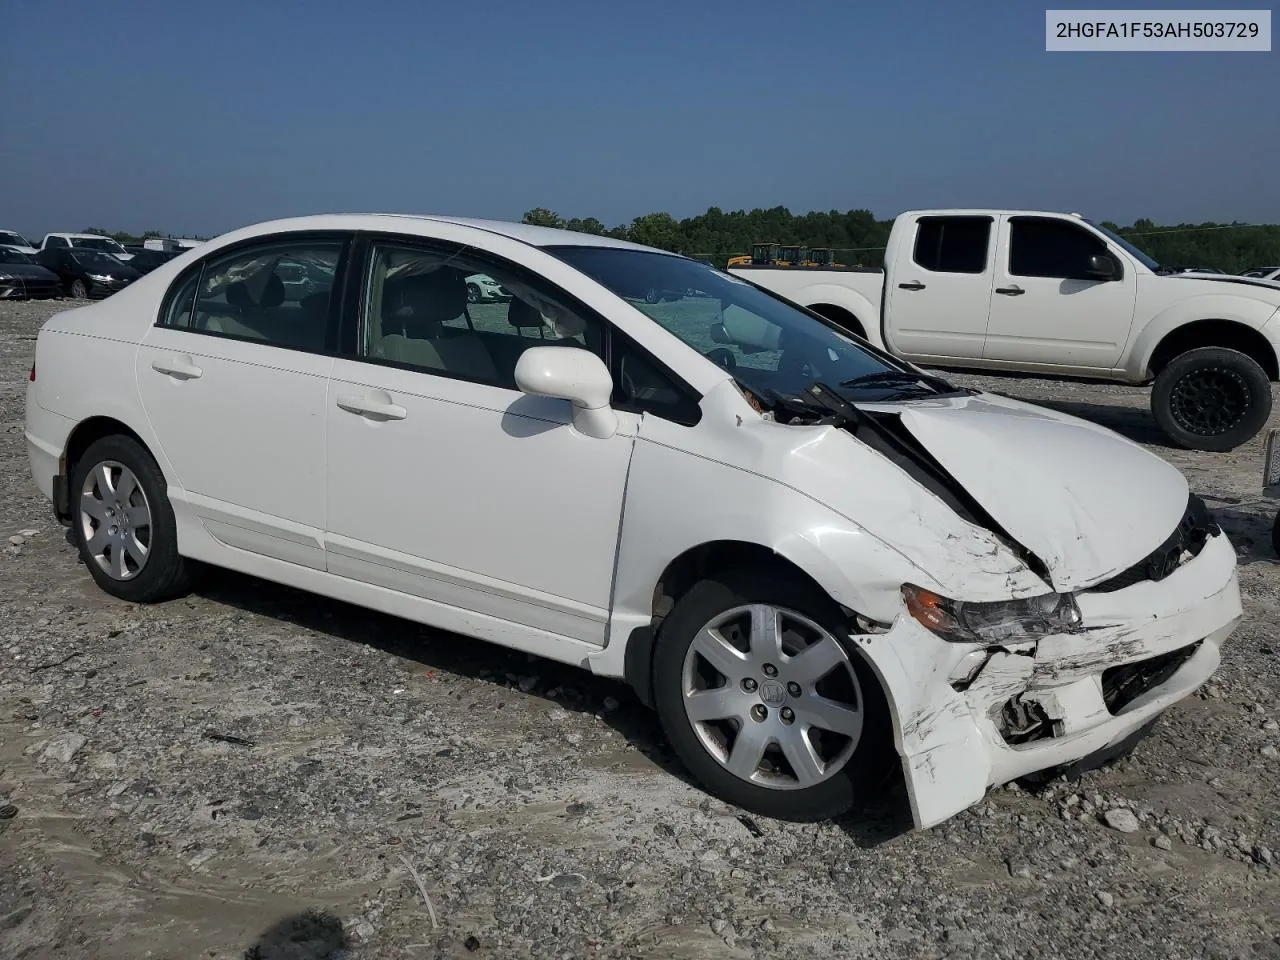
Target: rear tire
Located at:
point(123, 523)
point(844, 769)
point(1211, 398)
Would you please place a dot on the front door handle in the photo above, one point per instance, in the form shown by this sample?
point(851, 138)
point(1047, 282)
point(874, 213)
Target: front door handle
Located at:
point(375, 408)
point(912, 285)
point(1013, 291)
point(181, 367)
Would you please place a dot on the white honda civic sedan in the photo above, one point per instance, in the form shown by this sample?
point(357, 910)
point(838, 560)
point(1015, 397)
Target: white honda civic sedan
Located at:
point(814, 561)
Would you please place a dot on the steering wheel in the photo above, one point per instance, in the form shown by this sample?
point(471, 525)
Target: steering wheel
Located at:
point(723, 357)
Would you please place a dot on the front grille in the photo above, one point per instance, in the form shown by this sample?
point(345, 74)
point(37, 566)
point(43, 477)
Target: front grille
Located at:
point(1122, 685)
point(1189, 536)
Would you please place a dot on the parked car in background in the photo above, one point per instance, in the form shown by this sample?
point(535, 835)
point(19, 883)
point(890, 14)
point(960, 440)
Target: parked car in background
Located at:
point(85, 241)
point(484, 289)
point(1262, 273)
point(1196, 270)
point(818, 563)
point(11, 238)
point(144, 260)
point(21, 278)
point(1054, 293)
point(87, 274)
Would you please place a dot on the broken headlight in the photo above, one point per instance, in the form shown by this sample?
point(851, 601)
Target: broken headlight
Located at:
point(1001, 621)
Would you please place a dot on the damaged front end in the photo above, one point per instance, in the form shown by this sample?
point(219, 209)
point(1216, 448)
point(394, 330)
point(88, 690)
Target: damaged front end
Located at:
point(988, 693)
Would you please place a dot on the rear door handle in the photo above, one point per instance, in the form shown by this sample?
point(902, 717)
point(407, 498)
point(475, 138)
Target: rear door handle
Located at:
point(181, 367)
point(912, 285)
point(375, 407)
point(1013, 291)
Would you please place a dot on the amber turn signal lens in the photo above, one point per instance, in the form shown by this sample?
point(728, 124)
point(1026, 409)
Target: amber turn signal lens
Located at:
point(927, 607)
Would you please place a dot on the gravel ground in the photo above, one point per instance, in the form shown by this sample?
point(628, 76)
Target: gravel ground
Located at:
point(255, 772)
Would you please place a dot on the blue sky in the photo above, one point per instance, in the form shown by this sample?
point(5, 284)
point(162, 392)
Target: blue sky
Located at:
point(198, 117)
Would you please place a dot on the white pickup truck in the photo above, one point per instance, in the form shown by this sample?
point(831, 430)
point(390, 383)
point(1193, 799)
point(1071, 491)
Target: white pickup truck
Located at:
point(1056, 294)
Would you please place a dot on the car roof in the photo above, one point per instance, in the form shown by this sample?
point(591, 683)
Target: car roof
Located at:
point(523, 232)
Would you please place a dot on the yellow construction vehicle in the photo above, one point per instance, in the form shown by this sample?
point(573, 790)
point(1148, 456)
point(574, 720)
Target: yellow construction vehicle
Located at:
point(762, 255)
point(795, 255)
point(823, 258)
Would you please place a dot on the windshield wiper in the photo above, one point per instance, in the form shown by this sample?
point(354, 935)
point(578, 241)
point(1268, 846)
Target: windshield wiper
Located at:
point(898, 377)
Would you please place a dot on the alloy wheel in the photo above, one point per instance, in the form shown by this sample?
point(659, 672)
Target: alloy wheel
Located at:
point(772, 697)
point(115, 520)
point(1210, 400)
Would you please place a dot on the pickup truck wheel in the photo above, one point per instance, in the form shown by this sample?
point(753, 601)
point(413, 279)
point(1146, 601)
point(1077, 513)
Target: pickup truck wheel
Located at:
point(1211, 398)
point(764, 701)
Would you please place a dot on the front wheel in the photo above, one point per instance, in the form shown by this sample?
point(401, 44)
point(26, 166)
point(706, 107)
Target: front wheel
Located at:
point(1211, 398)
point(78, 290)
point(123, 524)
point(764, 703)
point(473, 293)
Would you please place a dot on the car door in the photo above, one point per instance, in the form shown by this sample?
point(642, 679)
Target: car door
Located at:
point(1047, 307)
point(445, 481)
point(234, 380)
point(938, 288)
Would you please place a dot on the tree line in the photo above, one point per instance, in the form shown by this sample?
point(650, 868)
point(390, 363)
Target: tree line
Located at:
point(858, 237)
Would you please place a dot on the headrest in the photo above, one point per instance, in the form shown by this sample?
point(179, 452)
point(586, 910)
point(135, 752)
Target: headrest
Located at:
point(270, 292)
point(426, 298)
point(523, 314)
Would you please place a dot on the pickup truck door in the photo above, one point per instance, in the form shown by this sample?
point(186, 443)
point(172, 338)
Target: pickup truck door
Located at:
point(1047, 308)
point(938, 287)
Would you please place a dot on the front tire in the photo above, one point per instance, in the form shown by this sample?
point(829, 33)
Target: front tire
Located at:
point(78, 290)
point(1211, 398)
point(473, 293)
point(123, 523)
point(764, 703)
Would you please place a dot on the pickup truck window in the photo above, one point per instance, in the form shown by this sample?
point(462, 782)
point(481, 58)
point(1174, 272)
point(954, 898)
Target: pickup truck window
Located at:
point(952, 244)
point(1043, 247)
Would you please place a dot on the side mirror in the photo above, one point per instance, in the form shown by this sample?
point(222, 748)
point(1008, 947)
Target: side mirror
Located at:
point(576, 375)
point(1101, 267)
point(719, 334)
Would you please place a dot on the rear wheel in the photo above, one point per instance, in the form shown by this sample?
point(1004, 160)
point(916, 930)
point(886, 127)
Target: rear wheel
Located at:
point(123, 523)
point(764, 702)
point(1211, 398)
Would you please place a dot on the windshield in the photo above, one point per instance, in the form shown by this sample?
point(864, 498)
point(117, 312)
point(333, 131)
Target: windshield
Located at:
point(1128, 247)
point(14, 239)
point(769, 346)
point(105, 244)
point(13, 256)
point(96, 260)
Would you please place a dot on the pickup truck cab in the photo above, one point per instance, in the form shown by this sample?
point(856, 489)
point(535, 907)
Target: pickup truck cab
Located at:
point(1056, 294)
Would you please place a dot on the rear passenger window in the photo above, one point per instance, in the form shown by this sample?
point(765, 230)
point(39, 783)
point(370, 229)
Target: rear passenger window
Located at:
point(952, 244)
point(277, 293)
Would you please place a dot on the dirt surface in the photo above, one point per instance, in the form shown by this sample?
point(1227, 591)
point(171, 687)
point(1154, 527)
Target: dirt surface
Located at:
point(251, 771)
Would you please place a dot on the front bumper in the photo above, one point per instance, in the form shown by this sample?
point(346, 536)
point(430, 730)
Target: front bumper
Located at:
point(20, 289)
point(967, 718)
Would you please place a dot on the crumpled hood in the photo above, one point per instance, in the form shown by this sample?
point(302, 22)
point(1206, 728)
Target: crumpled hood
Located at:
point(1085, 500)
